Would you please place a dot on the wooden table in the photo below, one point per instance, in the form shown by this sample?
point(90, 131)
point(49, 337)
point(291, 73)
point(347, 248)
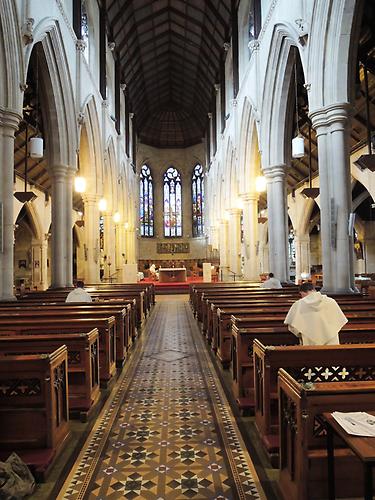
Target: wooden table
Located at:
point(172, 274)
point(362, 447)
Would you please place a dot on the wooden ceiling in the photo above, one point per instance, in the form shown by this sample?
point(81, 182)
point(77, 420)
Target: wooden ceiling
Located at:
point(170, 51)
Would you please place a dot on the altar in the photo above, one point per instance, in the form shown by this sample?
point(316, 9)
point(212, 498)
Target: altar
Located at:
point(172, 274)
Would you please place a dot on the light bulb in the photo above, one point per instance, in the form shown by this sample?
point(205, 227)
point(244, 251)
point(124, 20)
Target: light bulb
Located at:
point(80, 184)
point(260, 184)
point(103, 205)
point(116, 217)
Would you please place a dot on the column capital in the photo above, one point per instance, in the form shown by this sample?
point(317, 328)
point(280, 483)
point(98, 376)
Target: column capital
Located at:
point(253, 45)
point(9, 118)
point(249, 197)
point(234, 211)
point(273, 172)
point(233, 103)
point(328, 115)
point(90, 198)
point(223, 222)
point(57, 171)
point(80, 45)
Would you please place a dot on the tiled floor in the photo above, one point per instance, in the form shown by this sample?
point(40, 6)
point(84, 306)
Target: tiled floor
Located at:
point(167, 432)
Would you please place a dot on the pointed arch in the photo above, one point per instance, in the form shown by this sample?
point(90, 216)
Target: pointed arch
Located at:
point(146, 201)
point(172, 201)
point(57, 91)
point(275, 101)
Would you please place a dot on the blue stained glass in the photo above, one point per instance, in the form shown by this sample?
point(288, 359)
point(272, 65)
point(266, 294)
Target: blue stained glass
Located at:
point(197, 190)
point(146, 202)
point(172, 203)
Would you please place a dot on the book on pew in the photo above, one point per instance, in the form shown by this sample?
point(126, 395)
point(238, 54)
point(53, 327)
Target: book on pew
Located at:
point(357, 423)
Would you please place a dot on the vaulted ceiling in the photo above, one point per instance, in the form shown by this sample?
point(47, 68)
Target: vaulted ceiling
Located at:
point(170, 52)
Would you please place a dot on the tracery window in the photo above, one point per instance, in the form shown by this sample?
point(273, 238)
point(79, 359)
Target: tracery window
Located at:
point(146, 202)
point(172, 203)
point(197, 191)
point(85, 28)
point(255, 23)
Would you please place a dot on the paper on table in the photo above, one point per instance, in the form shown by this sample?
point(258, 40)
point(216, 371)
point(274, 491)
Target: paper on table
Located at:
point(356, 423)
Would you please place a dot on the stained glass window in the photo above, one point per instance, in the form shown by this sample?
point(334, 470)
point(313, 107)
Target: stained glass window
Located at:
point(197, 189)
point(146, 202)
point(85, 28)
point(172, 203)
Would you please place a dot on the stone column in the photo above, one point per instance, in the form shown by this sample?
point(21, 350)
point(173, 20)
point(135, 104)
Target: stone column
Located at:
point(61, 229)
point(223, 250)
point(130, 245)
point(214, 238)
point(92, 263)
point(250, 236)
point(331, 125)
point(109, 245)
point(121, 251)
point(302, 244)
point(39, 263)
point(8, 125)
point(69, 227)
point(234, 234)
point(277, 222)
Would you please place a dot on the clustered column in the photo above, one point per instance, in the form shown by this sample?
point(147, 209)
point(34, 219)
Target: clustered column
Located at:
point(8, 125)
point(223, 249)
point(277, 222)
point(92, 237)
point(331, 125)
point(61, 237)
point(234, 234)
point(250, 236)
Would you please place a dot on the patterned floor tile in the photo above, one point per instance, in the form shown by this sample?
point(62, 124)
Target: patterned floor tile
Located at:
point(167, 432)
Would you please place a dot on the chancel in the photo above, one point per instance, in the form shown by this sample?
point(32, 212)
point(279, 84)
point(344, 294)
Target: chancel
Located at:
point(195, 165)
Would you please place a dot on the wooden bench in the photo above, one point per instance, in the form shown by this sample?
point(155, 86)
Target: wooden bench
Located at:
point(42, 326)
point(303, 455)
point(242, 352)
point(34, 410)
point(306, 363)
point(78, 312)
point(83, 363)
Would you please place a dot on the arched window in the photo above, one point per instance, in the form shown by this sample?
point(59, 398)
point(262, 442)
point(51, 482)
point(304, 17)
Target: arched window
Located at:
point(85, 28)
point(172, 203)
point(146, 202)
point(197, 192)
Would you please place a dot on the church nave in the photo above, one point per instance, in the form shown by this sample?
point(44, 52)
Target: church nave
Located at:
point(167, 430)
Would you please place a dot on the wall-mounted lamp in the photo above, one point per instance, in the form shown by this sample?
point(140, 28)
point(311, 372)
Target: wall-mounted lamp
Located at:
point(103, 205)
point(79, 184)
point(116, 217)
point(260, 184)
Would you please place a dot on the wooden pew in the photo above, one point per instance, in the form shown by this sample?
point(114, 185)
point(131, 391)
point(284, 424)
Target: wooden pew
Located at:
point(306, 363)
point(43, 326)
point(78, 312)
point(83, 363)
point(221, 326)
point(242, 352)
point(34, 410)
point(303, 464)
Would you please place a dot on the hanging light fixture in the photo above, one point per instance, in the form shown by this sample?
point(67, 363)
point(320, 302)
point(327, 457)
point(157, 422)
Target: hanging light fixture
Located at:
point(298, 145)
point(310, 192)
point(25, 196)
point(260, 184)
point(36, 143)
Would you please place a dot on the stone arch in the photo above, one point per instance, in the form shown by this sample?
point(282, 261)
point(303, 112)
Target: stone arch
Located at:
point(249, 160)
point(276, 93)
point(334, 29)
point(10, 58)
point(56, 88)
point(91, 165)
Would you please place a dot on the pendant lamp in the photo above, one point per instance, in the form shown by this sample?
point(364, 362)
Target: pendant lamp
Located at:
point(25, 196)
point(298, 145)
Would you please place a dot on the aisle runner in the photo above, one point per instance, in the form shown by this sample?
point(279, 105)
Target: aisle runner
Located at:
point(168, 432)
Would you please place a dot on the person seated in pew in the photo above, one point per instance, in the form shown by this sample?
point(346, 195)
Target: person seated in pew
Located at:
point(79, 294)
point(315, 318)
point(271, 282)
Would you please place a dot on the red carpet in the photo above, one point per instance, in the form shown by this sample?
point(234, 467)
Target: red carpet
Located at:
point(173, 287)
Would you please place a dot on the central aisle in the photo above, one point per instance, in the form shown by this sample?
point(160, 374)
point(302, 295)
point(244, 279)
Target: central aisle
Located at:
point(167, 432)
